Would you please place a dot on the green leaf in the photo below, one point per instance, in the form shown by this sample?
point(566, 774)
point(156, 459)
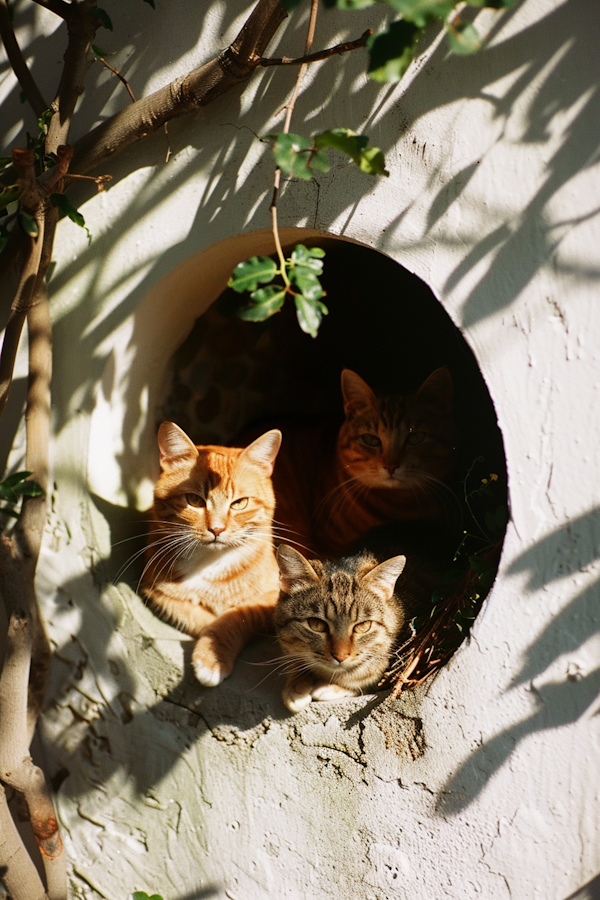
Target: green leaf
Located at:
point(254, 271)
point(421, 11)
point(66, 208)
point(9, 511)
point(151, 3)
point(30, 226)
point(310, 314)
point(392, 51)
point(296, 156)
point(5, 161)
point(98, 53)
point(267, 302)
point(463, 39)
point(15, 478)
point(302, 256)
point(142, 895)
point(439, 595)
point(478, 564)
point(356, 146)
point(9, 194)
point(453, 576)
point(308, 283)
point(490, 521)
point(16, 486)
point(30, 489)
point(102, 16)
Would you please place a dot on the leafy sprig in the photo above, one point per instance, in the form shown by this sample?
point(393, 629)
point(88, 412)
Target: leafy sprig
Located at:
point(268, 285)
point(392, 51)
point(301, 157)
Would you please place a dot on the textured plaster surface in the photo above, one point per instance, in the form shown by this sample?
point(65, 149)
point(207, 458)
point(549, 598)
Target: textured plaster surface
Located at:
point(486, 785)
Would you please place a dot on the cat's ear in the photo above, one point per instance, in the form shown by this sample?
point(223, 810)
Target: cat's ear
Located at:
point(263, 451)
point(356, 393)
point(438, 389)
point(295, 572)
point(382, 579)
point(174, 445)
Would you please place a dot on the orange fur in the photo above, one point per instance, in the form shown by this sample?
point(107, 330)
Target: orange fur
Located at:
point(210, 564)
point(387, 462)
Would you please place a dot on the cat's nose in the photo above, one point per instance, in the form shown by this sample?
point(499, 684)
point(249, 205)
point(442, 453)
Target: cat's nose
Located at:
point(217, 529)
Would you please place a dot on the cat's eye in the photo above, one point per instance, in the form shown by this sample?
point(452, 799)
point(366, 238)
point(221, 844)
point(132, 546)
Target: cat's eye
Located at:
point(362, 627)
point(242, 503)
point(317, 625)
point(370, 440)
point(195, 500)
point(416, 437)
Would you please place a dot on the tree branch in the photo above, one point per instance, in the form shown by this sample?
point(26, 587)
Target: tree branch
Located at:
point(321, 54)
point(32, 204)
point(82, 27)
point(16, 766)
point(189, 92)
point(19, 66)
point(119, 76)
point(20, 876)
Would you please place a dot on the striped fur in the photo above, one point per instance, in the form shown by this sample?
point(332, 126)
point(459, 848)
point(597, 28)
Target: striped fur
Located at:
point(388, 462)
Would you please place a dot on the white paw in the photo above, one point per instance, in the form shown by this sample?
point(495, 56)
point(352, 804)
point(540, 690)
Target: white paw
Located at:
point(295, 700)
point(209, 677)
point(332, 692)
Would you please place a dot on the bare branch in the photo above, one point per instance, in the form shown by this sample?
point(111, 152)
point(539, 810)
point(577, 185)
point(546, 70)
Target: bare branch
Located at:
point(82, 27)
point(189, 92)
point(16, 766)
point(32, 93)
point(321, 54)
point(119, 76)
point(20, 876)
point(59, 7)
point(31, 203)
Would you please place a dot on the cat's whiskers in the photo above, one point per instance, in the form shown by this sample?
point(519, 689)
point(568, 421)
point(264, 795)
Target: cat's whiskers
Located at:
point(166, 538)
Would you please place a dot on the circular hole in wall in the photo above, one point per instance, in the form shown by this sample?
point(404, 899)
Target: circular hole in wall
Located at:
point(385, 324)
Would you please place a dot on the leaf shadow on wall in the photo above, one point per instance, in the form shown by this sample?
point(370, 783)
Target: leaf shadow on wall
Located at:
point(565, 552)
point(558, 52)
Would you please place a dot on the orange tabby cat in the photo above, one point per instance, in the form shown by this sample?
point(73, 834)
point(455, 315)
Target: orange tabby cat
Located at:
point(387, 462)
point(211, 568)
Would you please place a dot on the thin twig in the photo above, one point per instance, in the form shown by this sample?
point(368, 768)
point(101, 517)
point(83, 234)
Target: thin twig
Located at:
point(119, 76)
point(33, 95)
point(319, 55)
point(286, 127)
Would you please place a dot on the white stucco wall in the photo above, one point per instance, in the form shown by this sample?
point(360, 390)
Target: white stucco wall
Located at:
point(493, 199)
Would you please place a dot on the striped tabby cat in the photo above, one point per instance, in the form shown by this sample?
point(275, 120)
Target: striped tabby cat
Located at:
point(210, 563)
point(387, 462)
point(338, 623)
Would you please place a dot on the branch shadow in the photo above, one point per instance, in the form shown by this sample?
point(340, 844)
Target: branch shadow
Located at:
point(568, 550)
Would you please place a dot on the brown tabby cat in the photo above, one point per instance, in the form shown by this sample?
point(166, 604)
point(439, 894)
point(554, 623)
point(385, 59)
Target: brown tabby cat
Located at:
point(339, 622)
point(387, 462)
point(211, 568)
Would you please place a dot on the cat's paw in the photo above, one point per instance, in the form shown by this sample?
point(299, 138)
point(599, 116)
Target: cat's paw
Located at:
point(332, 692)
point(295, 697)
point(209, 667)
